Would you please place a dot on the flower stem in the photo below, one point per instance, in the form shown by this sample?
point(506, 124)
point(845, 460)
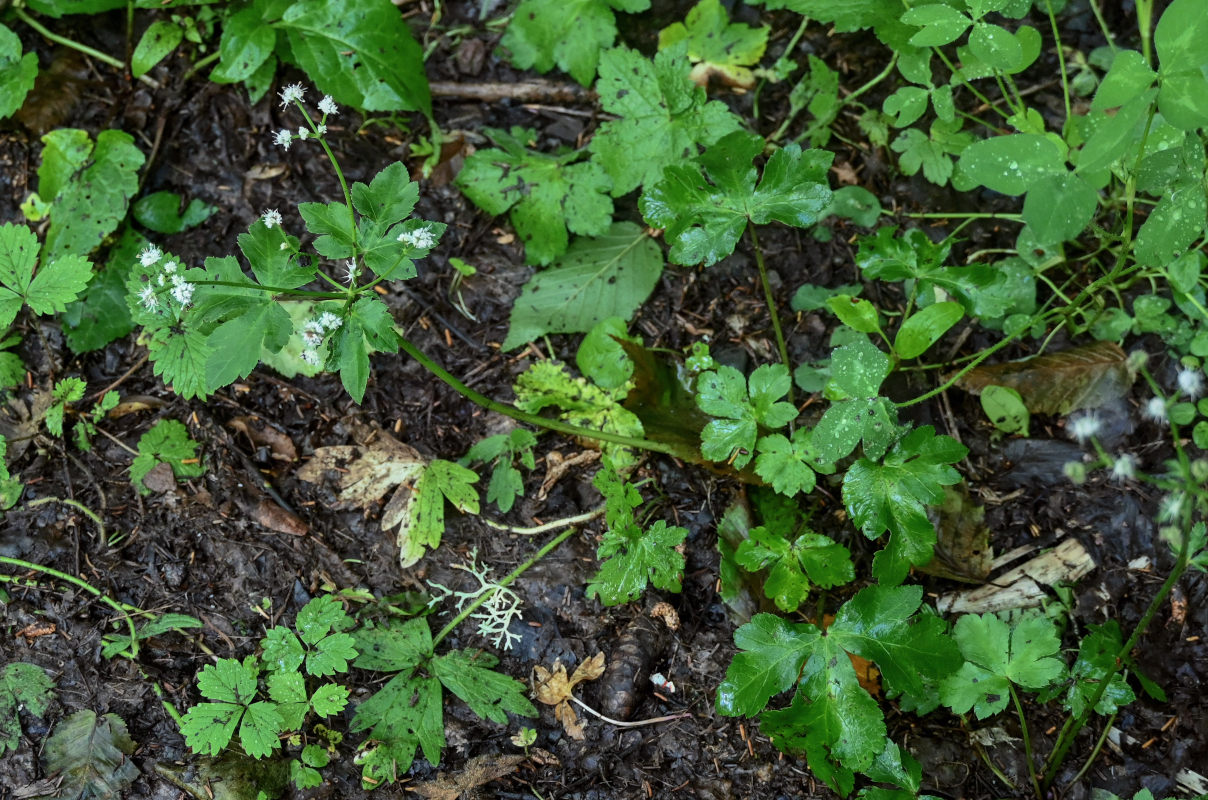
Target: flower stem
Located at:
point(1027, 740)
point(74, 45)
point(771, 302)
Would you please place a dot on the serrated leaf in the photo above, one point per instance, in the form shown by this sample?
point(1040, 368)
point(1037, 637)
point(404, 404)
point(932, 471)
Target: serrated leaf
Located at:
point(167, 442)
point(715, 46)
point(360, 52)
point(771, 653)
point(246, 44)
point(209, 727)
point(608, 276)
point(1060, 382)
point(90, 755)
point(1096, 658)
point(793, 566)
point(547, 195)
point(705, 214)
point(282, 652)
point(22, 686)
point(331, 655)
point(93, 202)
point(178, 358)
point(329, 699)
point(846, 423)
point(259, 728)
point(571, 35)
point(489, 694)
point(892, 496)
point(406, 714)
point(288, 691)
point(663, 116)
point(235, 345)
point(997, 655)
point(17, 72)
point(420, 513)
point(389, 197)
point(334, 226)
point(393, 646)
point(742, 404)
point(229, 680)
point(787, 465)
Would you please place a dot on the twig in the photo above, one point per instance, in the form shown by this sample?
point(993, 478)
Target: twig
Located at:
point(636, 723)
point(92, 398)
point(82, 48)
point(549, 526)
point(524, 92)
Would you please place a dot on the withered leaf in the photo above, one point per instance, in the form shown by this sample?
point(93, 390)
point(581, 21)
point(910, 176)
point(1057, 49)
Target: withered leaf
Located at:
point(962, 548)
point(1061, 382)
point(553, 688)
point(478, 771)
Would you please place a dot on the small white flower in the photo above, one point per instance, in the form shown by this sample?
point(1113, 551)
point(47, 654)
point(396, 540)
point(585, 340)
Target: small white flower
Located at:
point(283, 138)
point(182, 293)
point(148, 299)
point(1085, 427)
point(329, 321)
point(161, 279)
point(420, 238)
point(150, 255)
point(292, 94)
point(1155, 409)
point(328, 106)
point(170, 268)
point(303, 134)
point(320, 129)
point(1191, 382)
point(350, 271)
point(311, 356)
point(1170, 507)
point(1124, 467)
point(271, 217)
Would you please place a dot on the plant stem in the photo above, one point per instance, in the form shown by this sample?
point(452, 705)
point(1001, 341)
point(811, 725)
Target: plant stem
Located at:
point(637, 723)
point(1065, 78)
point(503, 584)
point(1027, 740)
point(771, 301)
point(201, 64)
point(1107, 728)
point(85, 510)
point(524, 416)
point(276, 290)
point(120, 608)
point(549, 526)
point(82, 48)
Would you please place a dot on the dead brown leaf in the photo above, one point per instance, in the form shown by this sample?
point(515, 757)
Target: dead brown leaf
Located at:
point(554, 688)
point(135, 403)
point(1061, 382)
point(478, 771)
point(962, 547)
point(261, 434)
point(272, 516)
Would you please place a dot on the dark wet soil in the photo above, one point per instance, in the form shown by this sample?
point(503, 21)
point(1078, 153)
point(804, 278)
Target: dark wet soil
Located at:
point(247, 544)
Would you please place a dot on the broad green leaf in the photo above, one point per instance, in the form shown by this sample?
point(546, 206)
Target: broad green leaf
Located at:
point(246, 44)
point(1115, 135)
point(1181, 37)
point(995, 46)
point(17, 73)
point(848, 16)
point(925, 327)
point(333, 224)
point(393, 646)
point(167, 442)
point(158, 41)
point(235, 344)
point(715, 46)
point(846, 423)
point(571, 35)
point(663, 116)
point(489, 694)
point(259, 728)
point(1059, 207)
point(229, 681)
point(809, 297)
point(793, 566)
point(1096, 658)
point(941, 24)
point(741, 406)
point(329, 699)
point(546, 194)
point(91, 757)
point(160, 212)
point(23, 686)
point(906, 105)
point(893, 495)
point(772, 651)
point(93, 202)
point(360, 52)
point(1173, 225)
point(704, 215)
point(57, 8)
point(320, 617)
point(331, 655)
point(787, 464)
point(602, 358)
point(1128, 77)
point(209, 727)
point(272, 265)
point(1011, 164)
point(1005, 409)
point(859, 368)
point(407, 714)
point(288, 691)
point(793, 730)
point(389, 197)
point(855, 312)
point(609, 276)
point(65, 152)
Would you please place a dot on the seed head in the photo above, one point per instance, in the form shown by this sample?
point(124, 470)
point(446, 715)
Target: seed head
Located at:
point(292, 94)
point(1124, 468)
point(271, 217)
point(1155, 409)
point(1085, 427)
point(1191, 382)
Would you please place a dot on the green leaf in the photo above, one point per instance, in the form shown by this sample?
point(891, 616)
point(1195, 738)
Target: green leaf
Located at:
point(208, 727)
point(663, 116)
point(65, 152)
point(810, 297)
point(91, 757)
point(855, 312)
point(393, 646)
point(1005, 408)
point(546, 194)
point(228, 680)
point(272, 265)
point(360, 52)
point(101, 315)
point(859, 368)
point(793, 566)
point(1096, 658)
point(632, 557)
point(288, 691)
point(331, 655)
point(995, 46)
point(792, 730)
point(772, 651)
point(787, 465)
point(1173, 225)
point(17, 72)
point(609, 276)
point(406, 714)
point(389, 197)
point(469, 674)
point(1181, 37)
point(421, 517)
point(160, 211)
point(1012, 164)
point(94, 202)
point(704, 215)
point(601, 358)
point(1128, 77)
point(259, 728)
point(846, 423)
point(22, 686)
point(235, 344)
point(716, 46)
point(49, 291)
point(167, 442)
point(571, 35)
point(941, 24)
point(329, 699)
point(925, 327)
point(319, 617)
point(158, 41)
point(1059, 207)
point(333, 224)
point(246, 44)
point(997, 655)
point(919, 151)
point(741, 405)
point(892, 496)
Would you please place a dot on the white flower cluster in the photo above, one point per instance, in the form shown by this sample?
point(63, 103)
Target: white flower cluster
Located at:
point(420, 238)
point(271, 218)
point(314, 332)
point(166, 284)
point(293, 94)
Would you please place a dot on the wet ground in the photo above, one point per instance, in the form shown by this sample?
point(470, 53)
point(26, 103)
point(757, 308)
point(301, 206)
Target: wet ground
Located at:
point(217, 546)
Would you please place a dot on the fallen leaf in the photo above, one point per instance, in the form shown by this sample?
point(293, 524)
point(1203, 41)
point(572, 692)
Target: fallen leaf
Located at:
point(557, 465)
point(962, 547)
point(261, 434)
point(554, 688)
point(478, 771)
point(275, 518)
point(135, 403)
point(160, 479)
point(1061, 382)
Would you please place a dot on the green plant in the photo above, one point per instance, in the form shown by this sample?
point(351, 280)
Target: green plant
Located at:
point(506, 484)
point(25, 686)
point(168, 443)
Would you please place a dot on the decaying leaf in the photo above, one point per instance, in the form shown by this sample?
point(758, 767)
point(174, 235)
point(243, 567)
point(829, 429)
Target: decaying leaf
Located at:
point(262, 434)
point(90, 755)
point(478, 771)
point(1020, 587)
point(554, 688)
point(962, 547)
point(1061, 382)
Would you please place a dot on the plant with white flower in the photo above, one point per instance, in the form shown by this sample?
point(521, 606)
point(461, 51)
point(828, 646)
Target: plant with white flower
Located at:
point(315, 332)
point(419, 238)
point(283, 138)
point(1191, 382)
point(1155, 409)
point(1085, 427)
point(292, 94)
point(162, 287)
point(328, 106)
point(1124, 467)
point(271, 218)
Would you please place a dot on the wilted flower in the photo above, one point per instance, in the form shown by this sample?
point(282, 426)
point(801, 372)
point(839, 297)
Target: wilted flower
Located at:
point(350, 271)
point(292, 94)
point(283, 138)
point(1124, 467)
point(150, 255)
point(1085, 426)
point(1155, 409)
point(420, 238)
point(271, 217)
point(328, 106)
point(1191, 382)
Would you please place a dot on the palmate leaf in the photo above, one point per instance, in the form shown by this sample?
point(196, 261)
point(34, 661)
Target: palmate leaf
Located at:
point(420, 513)
point(491, 695)
point(17, 72)
point(892, 496)
point(50, 290)
point(608, 276)
point(794, 565)
point(664, 116)
point(716, 46)
point(92, 203)
point(571, 35)
point(405, 714)
point(772, 651)
point(741, 405)
point(546, 194)
point(704, 215)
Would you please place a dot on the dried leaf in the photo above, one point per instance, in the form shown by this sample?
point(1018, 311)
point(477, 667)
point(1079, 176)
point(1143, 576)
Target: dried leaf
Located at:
point(478, 771)
point(1061, 382)
point(275, 518)
point(553, 688)
point(962, 548)
point(261, 434)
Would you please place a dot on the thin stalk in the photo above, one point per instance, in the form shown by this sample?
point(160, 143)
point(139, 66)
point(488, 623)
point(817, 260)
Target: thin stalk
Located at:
point(578, 519)
point(1065, 78)
point(771, 301)
point(880, 76)
point(964, 215)
point(503, 584)
point(77, 46)
point(637, 723)
point(1145, 28)
point(200, 64)
point(1027, 740)
point(1107, 728)
point(964, 81)
point(788, 50)
point(1107, 34)
point(524, 416)
point(121, 608)
point(83, 509)
point(276, 290)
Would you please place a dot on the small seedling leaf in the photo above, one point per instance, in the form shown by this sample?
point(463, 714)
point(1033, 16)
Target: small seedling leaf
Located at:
point(22, 685)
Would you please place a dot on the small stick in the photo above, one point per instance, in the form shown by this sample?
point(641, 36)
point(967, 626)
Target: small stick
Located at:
point(525, 92)
point(636, 723)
